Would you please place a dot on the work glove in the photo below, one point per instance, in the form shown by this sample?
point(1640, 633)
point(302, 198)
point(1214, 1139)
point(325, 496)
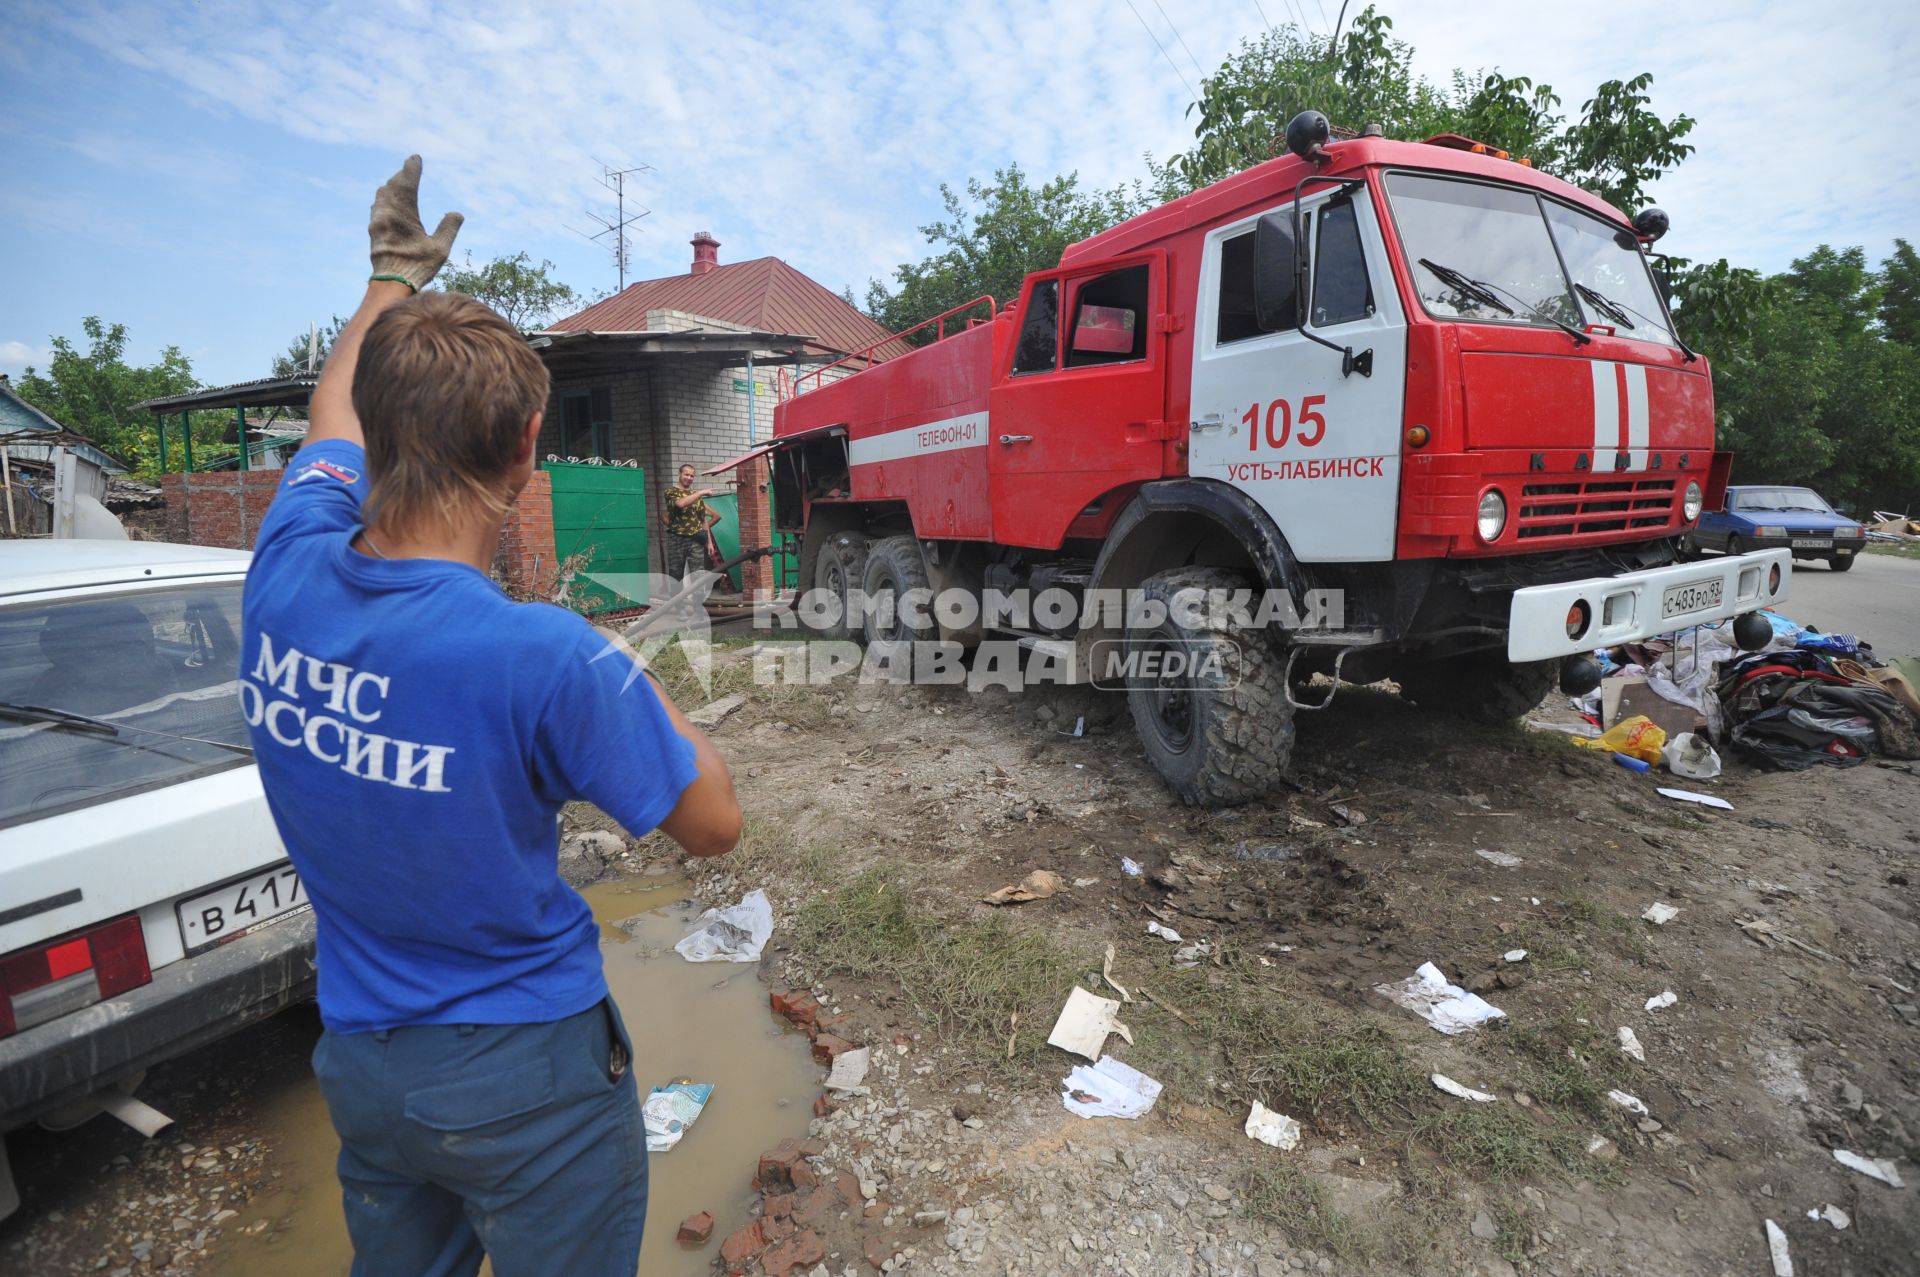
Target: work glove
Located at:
point(402, 251)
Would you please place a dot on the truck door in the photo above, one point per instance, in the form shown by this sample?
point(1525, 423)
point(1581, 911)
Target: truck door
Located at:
point(1080, 408)
point(1271, 412)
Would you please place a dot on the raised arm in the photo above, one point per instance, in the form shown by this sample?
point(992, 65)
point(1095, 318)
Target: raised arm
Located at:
point(405, 260)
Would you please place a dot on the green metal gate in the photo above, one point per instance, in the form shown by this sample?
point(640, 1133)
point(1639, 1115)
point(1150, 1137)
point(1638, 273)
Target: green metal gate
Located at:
point(601, 512)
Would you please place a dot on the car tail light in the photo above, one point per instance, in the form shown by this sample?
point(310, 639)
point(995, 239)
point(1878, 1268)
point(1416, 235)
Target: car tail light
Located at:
point(74, 971)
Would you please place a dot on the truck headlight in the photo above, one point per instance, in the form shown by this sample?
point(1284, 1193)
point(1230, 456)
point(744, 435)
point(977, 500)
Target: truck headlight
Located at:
point(1491, 517)
point(1690, 503)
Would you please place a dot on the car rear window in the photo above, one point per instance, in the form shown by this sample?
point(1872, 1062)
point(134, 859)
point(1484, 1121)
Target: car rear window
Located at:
point(159, 667)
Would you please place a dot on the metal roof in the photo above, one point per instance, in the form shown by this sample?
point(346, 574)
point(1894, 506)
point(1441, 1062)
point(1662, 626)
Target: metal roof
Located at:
point(263, 392)
point(763, 293)
point(583, 353)
point(30, 433)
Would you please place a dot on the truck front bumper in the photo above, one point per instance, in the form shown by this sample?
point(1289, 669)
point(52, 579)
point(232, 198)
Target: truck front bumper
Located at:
point(188, 1004)
point(1545, 621)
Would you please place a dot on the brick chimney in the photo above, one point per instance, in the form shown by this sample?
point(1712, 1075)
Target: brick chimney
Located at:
point(706, 252)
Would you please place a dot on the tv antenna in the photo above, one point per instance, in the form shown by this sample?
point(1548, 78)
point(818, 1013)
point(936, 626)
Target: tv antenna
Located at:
point(612, 234)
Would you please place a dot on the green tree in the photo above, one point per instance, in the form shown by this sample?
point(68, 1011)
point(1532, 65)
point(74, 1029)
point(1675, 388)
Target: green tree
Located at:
point(1616, 149)
point(992, 238)
point(293, 359)
point(1900, 294)
point(94, 392)
point(524, 293)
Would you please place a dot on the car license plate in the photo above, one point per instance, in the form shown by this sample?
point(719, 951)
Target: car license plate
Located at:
point(1812, 543)
point(220, 915)
point(1681, 599)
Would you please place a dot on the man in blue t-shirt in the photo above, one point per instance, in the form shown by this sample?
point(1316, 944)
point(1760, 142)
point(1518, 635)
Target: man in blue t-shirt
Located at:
point(417, 733)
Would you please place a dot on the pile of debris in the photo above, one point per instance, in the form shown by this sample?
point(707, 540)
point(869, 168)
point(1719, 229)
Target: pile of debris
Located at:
point(1801, 699)
point(1888, 526)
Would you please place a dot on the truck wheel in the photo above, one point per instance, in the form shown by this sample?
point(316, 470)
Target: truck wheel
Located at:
point(1218, 735)
point(1480, 686)
point(838, 570)
point(894, 566)
point(1841, 563)
point(1734, 544)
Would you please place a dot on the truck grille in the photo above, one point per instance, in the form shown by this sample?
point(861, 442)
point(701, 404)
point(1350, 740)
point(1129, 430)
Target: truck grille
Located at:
point(1595, 505)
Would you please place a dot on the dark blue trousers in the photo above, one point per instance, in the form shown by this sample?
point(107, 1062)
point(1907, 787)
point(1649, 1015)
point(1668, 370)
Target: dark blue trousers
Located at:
point(522, 1143)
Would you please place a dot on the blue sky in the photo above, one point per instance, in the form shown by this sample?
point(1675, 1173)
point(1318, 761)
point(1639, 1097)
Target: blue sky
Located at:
point(201, 172)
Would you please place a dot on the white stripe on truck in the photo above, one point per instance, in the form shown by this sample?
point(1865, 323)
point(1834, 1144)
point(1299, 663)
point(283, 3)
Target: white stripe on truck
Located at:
point(1606, 416)
point(969, 431)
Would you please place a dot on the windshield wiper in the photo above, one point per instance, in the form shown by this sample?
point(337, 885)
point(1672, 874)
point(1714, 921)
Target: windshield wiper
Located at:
point(101, 727)
point(1605, 305)
point(1473, 288)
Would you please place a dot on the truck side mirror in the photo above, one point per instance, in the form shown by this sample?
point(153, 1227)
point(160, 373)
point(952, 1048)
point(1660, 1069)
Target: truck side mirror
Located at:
point(1276, 274)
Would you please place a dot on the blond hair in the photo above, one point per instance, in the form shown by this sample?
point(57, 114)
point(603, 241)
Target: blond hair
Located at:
point(444, 389)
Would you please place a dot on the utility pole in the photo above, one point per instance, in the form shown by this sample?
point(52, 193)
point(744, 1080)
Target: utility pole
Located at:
point(613, 229)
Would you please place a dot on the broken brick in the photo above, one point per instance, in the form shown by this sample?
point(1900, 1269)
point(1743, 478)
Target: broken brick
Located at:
point(834, 1024)
point(829, 1047)
point(778, 1204)
point(695, 1229)
point(848, 1186)
point(775, 1230)
point(775, 1173)
point(804, 1176)
point(741, 1246)
point(802, 1252)
point(797, 1006)
point(824, 1106)
point(813, 1207)
point(878, 1250)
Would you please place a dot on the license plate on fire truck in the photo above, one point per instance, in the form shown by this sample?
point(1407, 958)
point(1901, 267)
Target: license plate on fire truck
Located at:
point(1681, 599)
point(218, 915)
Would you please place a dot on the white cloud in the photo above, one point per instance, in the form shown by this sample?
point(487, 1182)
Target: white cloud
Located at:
point(17, 356)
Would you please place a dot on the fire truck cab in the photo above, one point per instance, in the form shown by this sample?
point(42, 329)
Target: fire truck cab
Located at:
point(1421, 379)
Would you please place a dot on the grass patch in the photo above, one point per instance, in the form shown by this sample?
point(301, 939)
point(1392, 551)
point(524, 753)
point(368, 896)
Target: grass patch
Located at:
point(1570, 1065)
point(1252, 1040)
point(1903, 550)
point(965, 976)
point(1626, 933)
point(1282, 1195)
point(1491, 1141)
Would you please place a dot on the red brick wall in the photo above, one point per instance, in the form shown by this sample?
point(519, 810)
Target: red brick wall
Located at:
point(750, 484)
point(524, 562)
point(218, 507)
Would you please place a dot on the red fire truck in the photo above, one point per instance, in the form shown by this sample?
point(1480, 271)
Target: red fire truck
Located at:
point(1422, 375)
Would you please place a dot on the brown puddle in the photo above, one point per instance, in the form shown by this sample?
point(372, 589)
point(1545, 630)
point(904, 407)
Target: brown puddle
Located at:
point(704, 1022)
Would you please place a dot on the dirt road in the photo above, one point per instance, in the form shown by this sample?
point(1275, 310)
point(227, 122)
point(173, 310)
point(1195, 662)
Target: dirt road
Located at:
point(880, 816)
point(1879, 599)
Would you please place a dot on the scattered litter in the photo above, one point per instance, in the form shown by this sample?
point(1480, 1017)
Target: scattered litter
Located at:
point(1085, 1022)
point(1632, 1104)
point(1129, 868)
point(1190, 956)
point(1348, 815)
point(710, 714)
point(1660, 915)
point(1688, 796)
point(1659, 1000)
point(1765, 933)
point(1633, 764)
point(735, 934)
point(850, 1072)
point(1630, 1043)
point(1085, 882)
point(1106, 973)
point(1505, 859)
point(1690, 754)
point(1109, 1088)
point(670, 1110)
point(1079, 726)
point(1833, 1215)
point(1273, 1128)
point(1880, 1168)
point(1446, 1007)
point(1271, 852)
point(1777, 1251)
point(1515, 955)
point(1165, 933)
point(1452, 1087)
point(1637, 737)
point(1038, 885)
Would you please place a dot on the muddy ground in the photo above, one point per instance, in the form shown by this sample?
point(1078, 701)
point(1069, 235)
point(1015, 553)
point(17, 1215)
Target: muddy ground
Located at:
point(878, 818)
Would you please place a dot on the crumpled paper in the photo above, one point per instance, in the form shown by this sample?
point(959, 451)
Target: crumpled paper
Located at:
point(1447, 1007)
point(735, 934)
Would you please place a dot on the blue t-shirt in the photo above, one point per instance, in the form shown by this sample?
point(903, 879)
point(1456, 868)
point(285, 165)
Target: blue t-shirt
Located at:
point(417, 732)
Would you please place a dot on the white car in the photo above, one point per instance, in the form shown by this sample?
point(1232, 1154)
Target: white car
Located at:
point(146, 903)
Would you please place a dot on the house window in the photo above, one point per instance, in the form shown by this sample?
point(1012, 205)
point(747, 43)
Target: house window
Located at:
point(1039, 348)
point(1110, 319)
point(1341, 291)
point(586, 423)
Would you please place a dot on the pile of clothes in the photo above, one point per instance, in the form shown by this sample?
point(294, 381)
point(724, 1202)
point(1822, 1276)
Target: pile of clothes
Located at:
point(1823, 700)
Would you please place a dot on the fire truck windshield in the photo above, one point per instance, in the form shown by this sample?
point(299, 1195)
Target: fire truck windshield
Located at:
point(1507, 242)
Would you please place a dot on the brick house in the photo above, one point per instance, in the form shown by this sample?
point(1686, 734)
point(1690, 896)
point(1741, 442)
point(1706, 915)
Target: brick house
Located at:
point(687, 368)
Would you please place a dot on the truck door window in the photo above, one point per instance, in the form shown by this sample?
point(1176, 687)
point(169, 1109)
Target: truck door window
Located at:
point(1235, 319)
point(1110, 319)
point(1341, 290)
point(1039, 347)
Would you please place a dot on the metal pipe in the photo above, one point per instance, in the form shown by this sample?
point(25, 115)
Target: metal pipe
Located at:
point(6, 480)
point(143, 1118)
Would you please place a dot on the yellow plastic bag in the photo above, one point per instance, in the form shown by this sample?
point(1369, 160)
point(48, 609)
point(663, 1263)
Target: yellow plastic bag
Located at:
point(1636, 737)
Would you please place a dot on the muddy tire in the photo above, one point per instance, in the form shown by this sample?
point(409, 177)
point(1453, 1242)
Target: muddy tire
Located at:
point(1480, 687)
point(895, 566)
point(1221, 735)
point(839, 569)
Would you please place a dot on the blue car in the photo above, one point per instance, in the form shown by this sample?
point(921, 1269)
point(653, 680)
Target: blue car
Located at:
point(1765, 517)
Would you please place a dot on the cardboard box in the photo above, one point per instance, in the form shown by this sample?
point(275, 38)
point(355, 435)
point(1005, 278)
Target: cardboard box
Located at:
point(1629, 695)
